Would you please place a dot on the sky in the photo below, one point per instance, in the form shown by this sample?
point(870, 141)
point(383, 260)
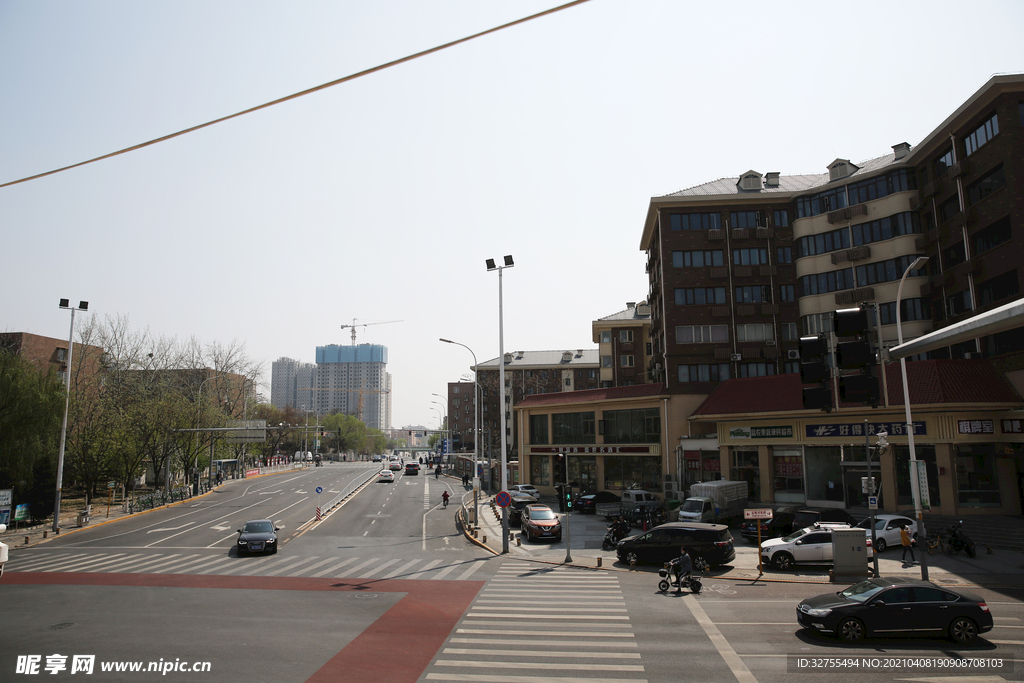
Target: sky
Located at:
point(380, 199)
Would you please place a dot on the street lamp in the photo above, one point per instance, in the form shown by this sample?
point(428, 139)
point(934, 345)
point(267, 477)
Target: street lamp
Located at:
point(476, 433)
point(915, 485)
point(82, 306)
point(501, 387)
point(199, 408)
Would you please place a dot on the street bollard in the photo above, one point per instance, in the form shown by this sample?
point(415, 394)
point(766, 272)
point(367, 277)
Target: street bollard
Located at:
point(45, 532)
point(519, 541)
point(599, 561)
point(485, 539)
point(26, 540)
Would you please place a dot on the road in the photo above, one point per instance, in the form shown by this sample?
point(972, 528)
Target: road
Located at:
point(386, 589)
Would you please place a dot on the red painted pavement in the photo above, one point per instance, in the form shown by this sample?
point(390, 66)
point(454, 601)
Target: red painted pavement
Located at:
point(420, 622)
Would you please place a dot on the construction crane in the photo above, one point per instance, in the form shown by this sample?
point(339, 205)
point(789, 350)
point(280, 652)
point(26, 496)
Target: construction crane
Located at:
point(354, 326)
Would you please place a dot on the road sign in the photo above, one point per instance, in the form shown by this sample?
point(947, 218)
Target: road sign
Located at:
point(503, 499)
point(319, 489)
point(758, 513)
point(872, 502)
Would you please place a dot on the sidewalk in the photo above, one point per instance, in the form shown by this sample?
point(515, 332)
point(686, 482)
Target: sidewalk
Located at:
point(994, 566)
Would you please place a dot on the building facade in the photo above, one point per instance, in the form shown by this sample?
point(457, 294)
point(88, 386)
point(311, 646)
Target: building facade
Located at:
point(354, 380)
point(291, 383)
point(624, 346)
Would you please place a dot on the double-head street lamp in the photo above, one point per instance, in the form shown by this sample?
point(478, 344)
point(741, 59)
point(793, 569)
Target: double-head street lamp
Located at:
point(476, 431)
point(501, 386)
point(199, 408)
point(82, 306)
point(915, 485)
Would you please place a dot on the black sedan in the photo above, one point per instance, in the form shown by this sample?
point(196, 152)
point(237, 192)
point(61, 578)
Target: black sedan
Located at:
point(257, 536)
point(896, 606)
point(587, 503)
point(779, 525)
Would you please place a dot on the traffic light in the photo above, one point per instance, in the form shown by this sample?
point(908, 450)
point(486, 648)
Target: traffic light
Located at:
point(567, 492)
point(855, 354)
point(814, 370)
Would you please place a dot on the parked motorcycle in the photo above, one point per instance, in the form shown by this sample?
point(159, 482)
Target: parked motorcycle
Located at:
point(691, 582)
point(958, 541)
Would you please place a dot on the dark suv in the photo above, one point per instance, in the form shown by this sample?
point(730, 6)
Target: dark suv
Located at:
point(805, 517)
point(712, 542)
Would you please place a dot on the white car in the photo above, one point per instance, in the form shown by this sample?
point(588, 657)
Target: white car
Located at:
point(887, 530)
point(811, 545)
point(386, 475)
point(528, 489)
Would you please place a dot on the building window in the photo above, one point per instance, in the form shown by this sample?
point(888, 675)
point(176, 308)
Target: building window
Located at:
point(698, 259)
point(791, 367)
point(625, 336)
point(820, 203)
point(823, 243)
point(981, 135)
point(881, 186)
point(886, 228)
point(746, 219)
point(702, 334)
point(695, 221)
point(993, 235)
point(886, 271)
point(715, 372)
point(539, 429)
point(750, 257)
point(787, 293)
point(958, 303)
point(755, 332)
point(757, 369)
point(641, 425)
point(789, 332)
point(943, 164)
point(954, 254)
point(755, 294)
point(781, 218)
point(982, 188)
point(591, 374)
point(606, 336)
point(691, 296)
point(999, 287)
point(910, 309)
point(816, 323)
point(949, 209)
point(572, 428)
point(626, 361)
point(823, 283)
point(606, 361)
point(784, 255)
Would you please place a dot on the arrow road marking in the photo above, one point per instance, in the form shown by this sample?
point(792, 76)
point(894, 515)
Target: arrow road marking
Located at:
point(172, 528)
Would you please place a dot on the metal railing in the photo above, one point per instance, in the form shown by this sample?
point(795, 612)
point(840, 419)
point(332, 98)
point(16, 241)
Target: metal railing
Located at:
point(158, 498)
point(348, 491)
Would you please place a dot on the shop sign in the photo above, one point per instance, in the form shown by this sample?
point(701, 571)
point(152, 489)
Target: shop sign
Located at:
point(975, 427)
point(713, 465)
point(1013, 426)
point(858, 429)
point(788, 466)
point(591, 449)
point(761, 432)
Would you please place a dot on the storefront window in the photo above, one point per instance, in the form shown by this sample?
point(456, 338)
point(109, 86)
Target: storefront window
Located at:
point(540, 470)
point(976, 479)
point(745, 468)
point(583, 472)
point(901, 460)
point(572, 428)
point(642, 425)
point(789, 475)
point(824, 473)
point(539, 429)
point(624, 472)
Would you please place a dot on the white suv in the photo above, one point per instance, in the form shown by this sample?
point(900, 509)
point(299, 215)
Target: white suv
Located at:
point(811, 545)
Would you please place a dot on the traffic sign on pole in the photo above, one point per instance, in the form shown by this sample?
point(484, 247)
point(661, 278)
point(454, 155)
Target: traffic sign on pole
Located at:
point(503, 499)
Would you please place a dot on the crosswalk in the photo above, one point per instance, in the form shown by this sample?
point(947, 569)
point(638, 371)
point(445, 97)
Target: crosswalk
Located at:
point(542, 624)
point(312, 566)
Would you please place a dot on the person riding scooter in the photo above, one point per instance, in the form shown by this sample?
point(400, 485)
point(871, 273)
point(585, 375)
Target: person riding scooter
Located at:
point(681, 568)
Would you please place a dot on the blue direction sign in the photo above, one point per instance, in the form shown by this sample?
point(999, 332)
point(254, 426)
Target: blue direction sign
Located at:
point(319, 489)
point(503, 499)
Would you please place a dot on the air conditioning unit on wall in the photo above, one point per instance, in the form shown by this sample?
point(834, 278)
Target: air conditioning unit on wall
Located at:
point(793, 354)
point(736, 356)
point(769, 342)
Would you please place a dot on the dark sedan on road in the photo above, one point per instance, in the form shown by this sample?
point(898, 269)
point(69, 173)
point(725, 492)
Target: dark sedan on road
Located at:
point(781, 524)
point(587, 503)
point(896, 606)
point(257, 536)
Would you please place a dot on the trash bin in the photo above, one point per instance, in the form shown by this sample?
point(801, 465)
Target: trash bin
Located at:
point(83, 516)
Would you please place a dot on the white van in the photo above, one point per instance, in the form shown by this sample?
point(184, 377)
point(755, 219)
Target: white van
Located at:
point(634, 498)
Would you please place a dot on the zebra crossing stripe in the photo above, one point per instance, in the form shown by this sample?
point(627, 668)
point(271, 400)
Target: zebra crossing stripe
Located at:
point(38, 563)
point(379, 568)
point(170, 560)
point(134, 560)
point(80, 566)
point(334, 568)
point(291, 566)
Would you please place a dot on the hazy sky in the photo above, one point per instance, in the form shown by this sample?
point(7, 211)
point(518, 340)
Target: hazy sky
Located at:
point(381, 198)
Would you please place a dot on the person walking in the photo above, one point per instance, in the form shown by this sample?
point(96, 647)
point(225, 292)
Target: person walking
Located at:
point(908, 544)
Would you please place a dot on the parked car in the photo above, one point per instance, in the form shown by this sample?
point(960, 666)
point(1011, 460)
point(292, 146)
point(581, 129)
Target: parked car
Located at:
point(896, 606)
point(519, 501)
point(781, 524)
point(805, 517)
point(386, 475)
point(810, 545)
point(528, 489)
point(711, 542)
point(539, 521)
point(257, 536)
point(586, 503)
point(887, 530)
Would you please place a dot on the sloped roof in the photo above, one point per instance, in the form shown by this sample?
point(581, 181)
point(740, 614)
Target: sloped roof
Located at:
point(594, 395)
point(932, 382)
point(627, 314)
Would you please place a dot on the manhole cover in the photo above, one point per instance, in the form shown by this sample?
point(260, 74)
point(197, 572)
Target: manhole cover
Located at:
point(58, 627)
point(365, 596)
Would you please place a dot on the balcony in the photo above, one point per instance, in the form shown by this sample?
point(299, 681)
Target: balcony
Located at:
point(719, 271)
point(854, 254)
point(766, 270)
point(745, 310)
point(844, 215)
point(769, 309)
point(741, 233)
point(716, 234)
point(764, 233)
point(723, 353)
point(720, 311)
point(743, 271)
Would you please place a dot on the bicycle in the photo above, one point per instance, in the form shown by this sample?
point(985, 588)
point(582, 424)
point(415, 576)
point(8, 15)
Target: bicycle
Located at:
point(444, 502)
point(935, 543)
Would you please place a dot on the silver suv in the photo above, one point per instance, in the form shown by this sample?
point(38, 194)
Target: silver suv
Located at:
point(810, 545)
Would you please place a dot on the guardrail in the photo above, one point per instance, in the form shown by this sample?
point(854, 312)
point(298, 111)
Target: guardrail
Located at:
point(158, 498)
point(348, 491)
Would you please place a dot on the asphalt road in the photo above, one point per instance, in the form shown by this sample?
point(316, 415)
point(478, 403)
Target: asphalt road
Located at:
point(387, 589)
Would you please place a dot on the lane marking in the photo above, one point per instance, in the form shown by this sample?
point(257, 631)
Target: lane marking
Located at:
point(732, 660)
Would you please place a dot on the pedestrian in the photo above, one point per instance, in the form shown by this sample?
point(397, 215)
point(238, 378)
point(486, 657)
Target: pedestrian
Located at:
point(908, 544)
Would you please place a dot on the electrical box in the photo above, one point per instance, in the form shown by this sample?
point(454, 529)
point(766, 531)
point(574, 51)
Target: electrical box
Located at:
point(867, 485)
point(849, 552)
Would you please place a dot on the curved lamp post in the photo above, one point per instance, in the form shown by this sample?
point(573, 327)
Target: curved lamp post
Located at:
point(501, 386)
point(82, 306)
point(476, 433)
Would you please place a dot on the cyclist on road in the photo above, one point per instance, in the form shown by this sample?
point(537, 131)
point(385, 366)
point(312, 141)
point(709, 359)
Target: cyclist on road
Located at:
point(444, 497)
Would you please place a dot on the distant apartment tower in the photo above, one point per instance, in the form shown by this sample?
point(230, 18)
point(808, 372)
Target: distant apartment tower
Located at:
point(291, 384)
point(354, 380)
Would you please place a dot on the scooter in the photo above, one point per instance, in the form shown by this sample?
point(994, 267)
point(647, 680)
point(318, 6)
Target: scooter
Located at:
point(691, 582)
point(612, 537)
point(958, 541)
